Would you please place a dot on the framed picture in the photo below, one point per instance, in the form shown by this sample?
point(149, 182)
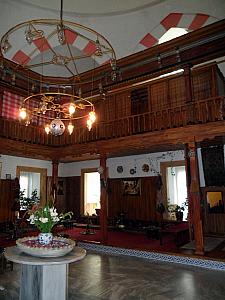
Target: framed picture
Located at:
point(8, 176)
point(215, 201)
point(131, 187)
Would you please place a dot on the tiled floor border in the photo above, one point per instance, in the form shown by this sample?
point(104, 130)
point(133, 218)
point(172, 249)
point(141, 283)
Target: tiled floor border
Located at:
point(197, 262)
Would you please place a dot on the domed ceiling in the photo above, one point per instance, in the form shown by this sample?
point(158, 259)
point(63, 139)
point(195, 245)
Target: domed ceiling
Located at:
point(129, 26)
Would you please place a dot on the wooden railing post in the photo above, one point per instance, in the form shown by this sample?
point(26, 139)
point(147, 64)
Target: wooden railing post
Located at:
point(194, 197)
point(103, 200)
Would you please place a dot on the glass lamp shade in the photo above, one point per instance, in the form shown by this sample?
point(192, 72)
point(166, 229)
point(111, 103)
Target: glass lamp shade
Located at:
point(22, 113)
point(72, 109)
point(70, 128)
point(57, 127)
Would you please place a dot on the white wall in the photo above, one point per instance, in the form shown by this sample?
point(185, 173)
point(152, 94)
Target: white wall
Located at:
point(127, 162)
point(74, 168)
point(130, 162)
point(137, 161)
point(9, 164)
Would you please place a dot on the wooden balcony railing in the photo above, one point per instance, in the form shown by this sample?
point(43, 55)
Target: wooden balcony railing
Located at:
point(199, 112)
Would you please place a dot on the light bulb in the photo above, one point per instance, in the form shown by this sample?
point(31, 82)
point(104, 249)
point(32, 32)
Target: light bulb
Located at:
point(89, 124)
point(70, 128)
point(72, 109)
point(92, 116)
point(47, 128)
point(23, 113)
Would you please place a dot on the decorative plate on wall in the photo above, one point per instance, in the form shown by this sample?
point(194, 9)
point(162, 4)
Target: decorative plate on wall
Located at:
point(133, 171)
point(120, 169)
point(145, 168)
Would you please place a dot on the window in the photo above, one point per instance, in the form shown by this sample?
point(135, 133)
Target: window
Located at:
point(172, 33)
point(32, 179)
point(29, 182)
point(91, 192)
point(174, 178)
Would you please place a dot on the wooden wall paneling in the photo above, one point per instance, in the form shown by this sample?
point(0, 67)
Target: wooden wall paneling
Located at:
point(141, 207)
point(110, 108)
point(177, 93)
point(213, 223)
point(202, 84)
point(73, 195)
point(177, 99)
point(122, 105)
point(61, 194)
point(158, 96)
point(159, 101)
point(6, 200)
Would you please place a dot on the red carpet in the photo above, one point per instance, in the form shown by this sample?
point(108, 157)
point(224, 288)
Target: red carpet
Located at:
point(124, 239)
point(118, 238)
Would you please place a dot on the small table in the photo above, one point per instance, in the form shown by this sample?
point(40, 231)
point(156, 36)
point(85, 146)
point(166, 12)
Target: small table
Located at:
point(154, 232)
point(43, 278)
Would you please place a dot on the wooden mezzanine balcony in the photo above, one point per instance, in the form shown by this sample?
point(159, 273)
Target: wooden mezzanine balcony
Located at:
point(193, 113)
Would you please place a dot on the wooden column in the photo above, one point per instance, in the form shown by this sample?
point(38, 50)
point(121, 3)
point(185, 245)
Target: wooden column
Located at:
point(103, 200)
point(55, 165)
point(194, 198)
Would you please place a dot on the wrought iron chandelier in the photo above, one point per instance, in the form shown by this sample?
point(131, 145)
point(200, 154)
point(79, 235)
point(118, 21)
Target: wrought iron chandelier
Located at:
point(55, 113)
point(51, 48)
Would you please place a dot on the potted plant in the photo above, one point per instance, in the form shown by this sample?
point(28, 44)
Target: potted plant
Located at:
point(178, 210)
point(27, 203)
point(45, 218)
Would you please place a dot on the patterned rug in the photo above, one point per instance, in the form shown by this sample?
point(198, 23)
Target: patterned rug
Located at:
point(210, 243)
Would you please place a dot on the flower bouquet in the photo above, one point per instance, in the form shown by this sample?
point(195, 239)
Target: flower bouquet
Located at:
point(45, 218)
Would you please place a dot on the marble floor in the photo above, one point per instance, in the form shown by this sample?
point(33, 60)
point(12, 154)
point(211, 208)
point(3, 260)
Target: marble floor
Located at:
point(109, 277)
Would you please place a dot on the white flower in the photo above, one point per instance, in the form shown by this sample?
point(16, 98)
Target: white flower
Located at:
point(43, 220)
point(54, 214)
point(55, 219)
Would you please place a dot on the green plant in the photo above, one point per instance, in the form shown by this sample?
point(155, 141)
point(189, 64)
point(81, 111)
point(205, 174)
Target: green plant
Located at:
point(28, 202)
point(176, 208)
point(46, 217)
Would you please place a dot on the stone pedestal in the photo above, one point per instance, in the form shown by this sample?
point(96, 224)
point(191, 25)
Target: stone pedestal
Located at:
point(44, 278)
